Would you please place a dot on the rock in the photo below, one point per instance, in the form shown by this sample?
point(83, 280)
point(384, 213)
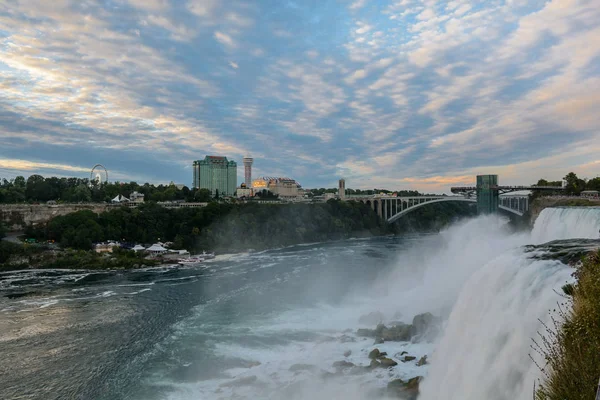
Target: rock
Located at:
point(347, 339)
point(374, 354)
point(347, 353)
point(408, 358)
point(374, 364)
point(302, 367)
point(422, 361)
point(406, 390)
point(378, 340)
point(403, 353)
point(372, 318)
point(382, 354)
point(343, 364)
point(426, 326)
point(397, 333)
point(387, 362)
point(249, 380)
point(365, 332)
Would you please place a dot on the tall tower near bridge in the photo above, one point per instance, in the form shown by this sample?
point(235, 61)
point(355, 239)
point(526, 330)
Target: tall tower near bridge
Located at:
point(248, 161)
point(342, 189)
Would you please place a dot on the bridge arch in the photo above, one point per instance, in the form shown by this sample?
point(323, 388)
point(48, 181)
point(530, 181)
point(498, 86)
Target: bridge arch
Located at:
point(414, 207)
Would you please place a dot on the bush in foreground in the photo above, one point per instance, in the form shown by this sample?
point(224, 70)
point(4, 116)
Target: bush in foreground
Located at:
point(572, 351)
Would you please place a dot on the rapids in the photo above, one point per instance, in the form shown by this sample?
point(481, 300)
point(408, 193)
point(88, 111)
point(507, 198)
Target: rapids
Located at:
point(270, 325)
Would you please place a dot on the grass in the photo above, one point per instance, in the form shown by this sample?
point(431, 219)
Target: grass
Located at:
point(571, 350)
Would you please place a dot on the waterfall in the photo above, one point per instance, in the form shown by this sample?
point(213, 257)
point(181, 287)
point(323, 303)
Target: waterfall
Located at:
point(566, 223)
point(483, 351)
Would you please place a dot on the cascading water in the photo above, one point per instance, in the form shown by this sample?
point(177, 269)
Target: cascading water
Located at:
point(566, 223)
point(483, 353)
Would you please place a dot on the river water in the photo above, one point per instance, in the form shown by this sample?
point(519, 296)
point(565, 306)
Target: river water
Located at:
point(232, 328)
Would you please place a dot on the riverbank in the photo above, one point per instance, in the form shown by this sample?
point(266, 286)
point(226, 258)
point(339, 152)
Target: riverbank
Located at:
point(572, 350)
point(16, 256)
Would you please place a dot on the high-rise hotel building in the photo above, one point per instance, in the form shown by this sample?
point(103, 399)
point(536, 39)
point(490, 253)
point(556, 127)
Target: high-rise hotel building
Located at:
point(216, 173)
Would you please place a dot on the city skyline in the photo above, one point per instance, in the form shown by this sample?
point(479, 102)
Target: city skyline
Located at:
point(401, 94)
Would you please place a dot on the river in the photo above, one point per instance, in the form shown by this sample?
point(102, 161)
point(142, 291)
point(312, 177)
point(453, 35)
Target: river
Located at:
point(232, 328)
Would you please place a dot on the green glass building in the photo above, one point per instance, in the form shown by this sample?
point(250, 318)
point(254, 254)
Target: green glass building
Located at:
point(487, 194)
point(216, 173)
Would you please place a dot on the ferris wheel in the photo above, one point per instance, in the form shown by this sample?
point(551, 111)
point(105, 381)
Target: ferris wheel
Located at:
point(99, 174)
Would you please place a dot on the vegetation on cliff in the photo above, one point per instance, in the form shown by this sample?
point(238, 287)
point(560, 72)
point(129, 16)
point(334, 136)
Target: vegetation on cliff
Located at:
point(234, 227)
point(572, 350)
point(15, 256)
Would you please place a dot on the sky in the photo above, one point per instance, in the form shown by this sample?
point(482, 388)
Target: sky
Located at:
point(398, 94)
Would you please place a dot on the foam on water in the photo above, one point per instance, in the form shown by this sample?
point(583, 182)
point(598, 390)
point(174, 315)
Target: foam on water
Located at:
point(475, 274)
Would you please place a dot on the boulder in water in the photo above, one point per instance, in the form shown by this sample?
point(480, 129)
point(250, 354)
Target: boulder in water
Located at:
point(365, 332)
point(347, 339)
point(378, 340)
point(374, 354)
point(426, 326)
point(408, 390)
point(372, 318)
point(409, 358)
point(422, 361)
point(347, 353)
point(374, 364)
point(387, 362)
point(342, 364)
point(302, 367)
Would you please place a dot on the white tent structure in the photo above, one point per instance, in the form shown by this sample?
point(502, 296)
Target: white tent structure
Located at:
point(120, 199)
point(138, 247)
point(156, 249)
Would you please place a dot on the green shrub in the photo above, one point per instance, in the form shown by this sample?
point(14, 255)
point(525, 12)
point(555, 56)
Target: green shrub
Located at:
point(571, 351)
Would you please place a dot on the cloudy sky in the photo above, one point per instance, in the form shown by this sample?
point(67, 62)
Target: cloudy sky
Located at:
point(398, 94)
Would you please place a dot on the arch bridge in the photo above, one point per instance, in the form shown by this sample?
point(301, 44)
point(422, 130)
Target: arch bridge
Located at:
point(488, 195)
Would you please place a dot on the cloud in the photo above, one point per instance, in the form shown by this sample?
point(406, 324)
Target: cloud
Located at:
point(225, 39)
point(402, 93)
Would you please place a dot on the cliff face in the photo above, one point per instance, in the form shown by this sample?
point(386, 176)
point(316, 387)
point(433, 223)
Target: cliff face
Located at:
point(536, 207)
point(17, 216)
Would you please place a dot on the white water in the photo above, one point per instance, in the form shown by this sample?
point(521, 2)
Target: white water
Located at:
point(567, 223)
point(475, 273)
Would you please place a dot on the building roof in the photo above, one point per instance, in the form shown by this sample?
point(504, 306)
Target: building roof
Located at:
point(156, 247)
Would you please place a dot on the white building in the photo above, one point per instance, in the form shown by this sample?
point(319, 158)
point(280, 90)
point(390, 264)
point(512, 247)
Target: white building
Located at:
point(136, 197)
point(243, 192)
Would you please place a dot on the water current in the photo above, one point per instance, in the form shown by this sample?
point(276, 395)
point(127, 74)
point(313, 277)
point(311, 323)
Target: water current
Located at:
point(270, 325)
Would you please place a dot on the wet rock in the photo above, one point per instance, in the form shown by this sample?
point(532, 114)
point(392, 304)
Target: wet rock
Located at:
point(426, 326)
point(374, 364)
point(347, 353)
point(249, 380)
point(408, 358)
point(382, 354)
point(422, 361)
point(374, 354)
point(372, 318)
point(365, 332)
point(343, 364)
point(396, 333)
point(378, 340)
point(387, 362)
point(347, 339)
point(302, 367)
point(408, 390)
point(403, 353)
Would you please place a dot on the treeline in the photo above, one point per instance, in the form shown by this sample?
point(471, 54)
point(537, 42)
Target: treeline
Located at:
point(229, 227)
point(37, 189)
point(574, 184)
point(216, 226)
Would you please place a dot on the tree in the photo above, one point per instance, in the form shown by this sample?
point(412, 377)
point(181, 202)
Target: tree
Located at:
point(216, 194)
point(575, 185)
point(202, 195)
point(2, 230)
